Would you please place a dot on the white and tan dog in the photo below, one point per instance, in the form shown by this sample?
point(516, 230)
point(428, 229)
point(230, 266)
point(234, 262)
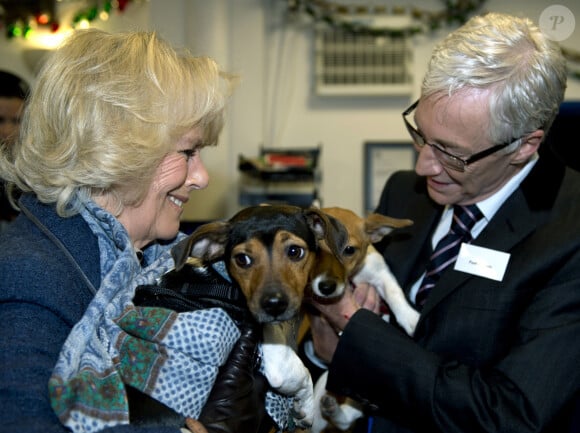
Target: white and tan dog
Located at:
point(359, 262)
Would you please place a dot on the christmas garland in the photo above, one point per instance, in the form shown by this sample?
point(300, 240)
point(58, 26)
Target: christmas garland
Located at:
point(21, 22)
point(351, 19)
point(343, 16)
point(336, 15)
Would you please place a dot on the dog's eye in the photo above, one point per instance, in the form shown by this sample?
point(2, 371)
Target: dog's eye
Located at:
point(296, 253)
point(243, 260)
point(349, 250)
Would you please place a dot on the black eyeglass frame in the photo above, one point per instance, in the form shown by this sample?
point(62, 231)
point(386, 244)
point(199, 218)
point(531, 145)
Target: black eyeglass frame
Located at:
point(420, 141)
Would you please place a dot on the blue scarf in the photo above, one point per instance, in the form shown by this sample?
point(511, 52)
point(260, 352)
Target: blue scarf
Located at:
point(173, 357)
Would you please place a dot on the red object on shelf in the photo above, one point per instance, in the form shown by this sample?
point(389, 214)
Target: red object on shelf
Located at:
point(286, 160)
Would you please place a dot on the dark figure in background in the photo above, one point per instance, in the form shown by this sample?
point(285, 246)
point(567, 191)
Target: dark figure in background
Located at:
point(13, 91)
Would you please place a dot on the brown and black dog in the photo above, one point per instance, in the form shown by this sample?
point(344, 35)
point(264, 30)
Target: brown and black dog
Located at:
point(270, 251)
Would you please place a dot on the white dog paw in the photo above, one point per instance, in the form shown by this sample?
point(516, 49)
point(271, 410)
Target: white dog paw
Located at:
point(303, 411)
point(287, 375)
point(328, 406)
point(408, 321)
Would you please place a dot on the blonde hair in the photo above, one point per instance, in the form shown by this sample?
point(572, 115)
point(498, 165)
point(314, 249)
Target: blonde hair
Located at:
point(524, 71)
point(105, 110)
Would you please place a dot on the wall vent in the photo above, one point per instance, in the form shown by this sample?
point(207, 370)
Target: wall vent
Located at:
point(362, 64)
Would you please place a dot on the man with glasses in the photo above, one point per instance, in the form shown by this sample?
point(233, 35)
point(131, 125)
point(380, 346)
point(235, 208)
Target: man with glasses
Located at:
point(497, 347)
point(447, 159)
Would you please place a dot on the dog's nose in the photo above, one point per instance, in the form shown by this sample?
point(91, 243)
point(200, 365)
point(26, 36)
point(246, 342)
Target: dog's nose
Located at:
point(275, 304)
point(327, 287)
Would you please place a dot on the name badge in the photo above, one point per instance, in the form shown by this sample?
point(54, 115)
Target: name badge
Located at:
point(482, 262)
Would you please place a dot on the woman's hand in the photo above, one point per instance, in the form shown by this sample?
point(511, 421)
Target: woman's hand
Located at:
point(194, 426)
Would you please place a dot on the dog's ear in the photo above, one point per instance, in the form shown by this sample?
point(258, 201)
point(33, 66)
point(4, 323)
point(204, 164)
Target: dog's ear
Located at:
point(377, 226)
point(205, 244)
point(316, 204)
point(328, 229)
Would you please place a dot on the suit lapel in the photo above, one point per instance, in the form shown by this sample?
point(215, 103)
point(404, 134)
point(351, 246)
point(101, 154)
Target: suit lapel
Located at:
point(407, 259)
point(526, 209)
point(508, 227)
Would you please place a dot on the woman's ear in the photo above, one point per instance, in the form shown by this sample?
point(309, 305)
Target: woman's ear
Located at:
point(530, 145)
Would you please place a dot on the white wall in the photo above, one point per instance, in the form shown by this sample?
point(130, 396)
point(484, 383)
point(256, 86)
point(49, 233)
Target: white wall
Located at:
point(340, 124)
point(274, 104)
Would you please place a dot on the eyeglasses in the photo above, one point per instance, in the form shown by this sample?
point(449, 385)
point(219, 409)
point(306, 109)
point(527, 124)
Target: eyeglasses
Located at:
point(445, 158)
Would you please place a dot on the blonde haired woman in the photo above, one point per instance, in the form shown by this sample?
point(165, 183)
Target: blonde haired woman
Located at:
point(109, 154)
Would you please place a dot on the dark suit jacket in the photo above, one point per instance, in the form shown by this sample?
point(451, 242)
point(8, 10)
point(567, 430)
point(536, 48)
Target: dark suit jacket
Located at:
point(487, 355)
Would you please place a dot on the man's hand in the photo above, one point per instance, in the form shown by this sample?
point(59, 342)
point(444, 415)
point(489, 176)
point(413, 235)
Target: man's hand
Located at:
point(324, 338)
point(336, 314)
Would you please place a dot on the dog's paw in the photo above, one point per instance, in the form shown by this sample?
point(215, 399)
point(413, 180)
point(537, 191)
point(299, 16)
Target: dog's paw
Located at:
point(302, 423)
point(287, 375)
point(303, 404)
point(303, 417)
point(303, 407)
point(408, 320)
point(341, 416)
point(284, 370)
point(328, 406)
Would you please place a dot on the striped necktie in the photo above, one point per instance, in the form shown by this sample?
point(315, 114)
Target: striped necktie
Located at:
point(447, 250)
